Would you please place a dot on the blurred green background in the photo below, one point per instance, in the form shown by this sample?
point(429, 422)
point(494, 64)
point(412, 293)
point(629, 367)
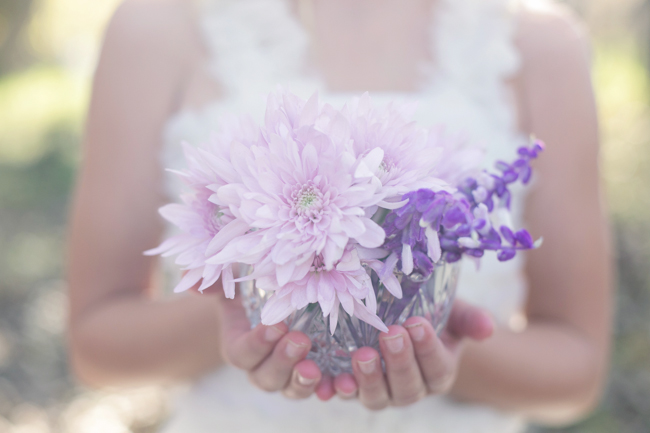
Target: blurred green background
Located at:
point(47, 52)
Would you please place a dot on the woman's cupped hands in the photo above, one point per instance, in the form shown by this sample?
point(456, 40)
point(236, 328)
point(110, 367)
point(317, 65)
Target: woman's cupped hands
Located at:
point(417, 361)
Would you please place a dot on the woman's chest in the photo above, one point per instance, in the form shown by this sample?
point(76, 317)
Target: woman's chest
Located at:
point(453, 61)
point(375, 45)
point(348, 46)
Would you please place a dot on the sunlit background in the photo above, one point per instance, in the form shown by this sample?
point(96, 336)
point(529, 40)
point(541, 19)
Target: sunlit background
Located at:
point(47, 53)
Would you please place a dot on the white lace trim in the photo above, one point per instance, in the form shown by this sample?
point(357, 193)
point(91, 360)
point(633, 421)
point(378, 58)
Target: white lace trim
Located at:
point(259, 44)
point(256, 44)
point(473, 42)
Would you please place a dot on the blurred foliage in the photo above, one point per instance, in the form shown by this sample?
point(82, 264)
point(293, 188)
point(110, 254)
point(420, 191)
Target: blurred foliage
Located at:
point(47, 49)
point(33, 104)
point(13, 46)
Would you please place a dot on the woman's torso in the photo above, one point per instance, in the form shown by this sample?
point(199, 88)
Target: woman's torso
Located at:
point(454, 60)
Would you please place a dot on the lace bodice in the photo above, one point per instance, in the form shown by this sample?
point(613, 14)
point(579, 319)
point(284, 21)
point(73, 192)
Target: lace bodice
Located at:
point(256, 45)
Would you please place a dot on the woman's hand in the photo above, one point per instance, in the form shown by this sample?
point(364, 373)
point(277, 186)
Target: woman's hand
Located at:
point(273, 357)
point(418, 362)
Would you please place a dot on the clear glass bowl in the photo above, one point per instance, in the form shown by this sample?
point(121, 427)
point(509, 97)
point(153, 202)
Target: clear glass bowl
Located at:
point(430, 298)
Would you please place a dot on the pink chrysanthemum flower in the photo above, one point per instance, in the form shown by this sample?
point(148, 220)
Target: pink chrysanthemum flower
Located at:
point(299, 193)
point(402, 155)
point(392, 147)
point(347, 284)
point(200, 222)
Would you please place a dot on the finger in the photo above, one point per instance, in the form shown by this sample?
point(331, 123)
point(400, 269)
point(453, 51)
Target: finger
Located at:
point(274, 372)
point(402, 370)
point(437, 363)
point(345, 386)
point(306, 376)
point(233, 315)
point(325, 388)
point(373, 388)
point(249, 349)
point(465, 320)
point(242, 347)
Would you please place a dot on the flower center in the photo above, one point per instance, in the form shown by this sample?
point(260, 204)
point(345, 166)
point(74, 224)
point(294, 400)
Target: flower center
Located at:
point(385, 168)
point(307, 200)
point(318, 265)
point(215, 219)
point(309, 207)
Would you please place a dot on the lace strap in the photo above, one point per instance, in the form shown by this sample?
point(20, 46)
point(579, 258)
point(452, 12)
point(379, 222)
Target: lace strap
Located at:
point(473, 41)
point(255, 45)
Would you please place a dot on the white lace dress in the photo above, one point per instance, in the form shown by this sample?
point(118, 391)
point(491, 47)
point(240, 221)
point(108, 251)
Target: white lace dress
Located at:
point(257, 44)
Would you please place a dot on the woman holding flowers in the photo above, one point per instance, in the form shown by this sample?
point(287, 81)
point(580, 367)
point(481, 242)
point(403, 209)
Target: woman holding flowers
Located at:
point(529, 340)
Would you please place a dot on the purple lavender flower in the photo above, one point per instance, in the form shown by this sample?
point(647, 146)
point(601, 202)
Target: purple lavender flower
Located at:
point(434, 226)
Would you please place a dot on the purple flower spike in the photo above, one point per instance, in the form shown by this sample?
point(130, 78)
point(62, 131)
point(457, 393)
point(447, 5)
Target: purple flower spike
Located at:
point(525, 239)
point(489, 203)
point(403, 220)
point(510, 176)
point(434, 213)
point(451, 257)
point(463, 230)
point(508, 235)
point(453, 217)
point(423, 199)
point(475, 252)
point(441, 225)
point(499, 185)
point(492, 241)
point(422, 263)
point(468, 184)
point(520, 164)
point(526, 175)
point(412, 234)
point(506, 254)
point(523, 151)
point(406, 209)
point(449, 245)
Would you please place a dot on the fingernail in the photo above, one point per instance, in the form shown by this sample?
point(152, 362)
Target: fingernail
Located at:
point(416, 331)
point(304, 381)
point(395, 343)
point(346, 394)
point(294, 350)
point(273, 334)
point(367, 367)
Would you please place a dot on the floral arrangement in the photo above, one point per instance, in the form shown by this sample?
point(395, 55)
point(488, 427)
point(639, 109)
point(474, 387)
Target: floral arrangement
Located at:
point(315, 198)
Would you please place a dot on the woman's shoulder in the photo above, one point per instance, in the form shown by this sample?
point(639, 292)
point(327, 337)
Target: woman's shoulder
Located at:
point(555, 77)
point(548, 32)
point(153, 29)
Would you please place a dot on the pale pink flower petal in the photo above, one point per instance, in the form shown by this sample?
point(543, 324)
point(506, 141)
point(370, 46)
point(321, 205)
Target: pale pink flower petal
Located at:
point(334, 317)
point(276, 310)
point(210, 276)
point(228, 283)
point(374, 235)
point(363, 313)
point(190, 279)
